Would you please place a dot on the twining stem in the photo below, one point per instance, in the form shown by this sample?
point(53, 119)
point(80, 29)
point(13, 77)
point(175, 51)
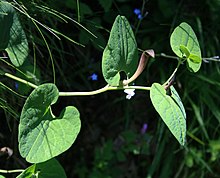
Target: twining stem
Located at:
point(104, 89)
point(172, 75)
point(11, 171)
point(142, 64)
point(101, 90)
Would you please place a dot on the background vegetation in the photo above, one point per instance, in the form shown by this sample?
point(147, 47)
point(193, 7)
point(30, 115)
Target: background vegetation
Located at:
point(120, 138)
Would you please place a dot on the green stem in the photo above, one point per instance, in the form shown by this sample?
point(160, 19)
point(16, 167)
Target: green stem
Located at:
point(78, 10)
point(20, 80)
point(11, 171)
point(166, 56)
point(172, 75)
point(101, 90)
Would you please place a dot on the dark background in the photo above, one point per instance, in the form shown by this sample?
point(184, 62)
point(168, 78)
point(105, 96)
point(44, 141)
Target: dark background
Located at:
point(110, 143)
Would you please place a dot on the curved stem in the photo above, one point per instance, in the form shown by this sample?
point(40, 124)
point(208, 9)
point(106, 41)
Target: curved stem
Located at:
point(11, 171)
point(101, 90)
point(104, 89)
point(172, 75)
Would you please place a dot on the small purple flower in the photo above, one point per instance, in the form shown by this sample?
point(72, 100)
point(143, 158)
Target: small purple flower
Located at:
point(16, 85)
point(137, 11)
point(144, 128)
point(140, 17)
point(94, 77)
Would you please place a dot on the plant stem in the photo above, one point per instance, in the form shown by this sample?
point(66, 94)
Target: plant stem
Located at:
point(166, 56)
point(101, 90)
point(11, 171)
point(104, 89)
point(20, 80)
point(172, 75)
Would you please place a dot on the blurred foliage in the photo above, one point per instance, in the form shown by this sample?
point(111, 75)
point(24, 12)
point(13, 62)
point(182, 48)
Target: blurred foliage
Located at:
point(110, 143)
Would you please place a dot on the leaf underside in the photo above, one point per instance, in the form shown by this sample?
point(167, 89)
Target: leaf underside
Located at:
point(183, 37)
point(171, 110)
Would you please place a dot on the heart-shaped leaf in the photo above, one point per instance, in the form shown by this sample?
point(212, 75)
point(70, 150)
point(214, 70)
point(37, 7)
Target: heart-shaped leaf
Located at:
point(120, 53)
point(13, 39)
point(43, 136)
point(182, 38)
point(48, 169)
point(171, 110)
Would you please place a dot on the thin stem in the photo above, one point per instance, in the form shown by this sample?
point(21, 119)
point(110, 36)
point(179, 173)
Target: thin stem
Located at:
point(173, 74)
point(20, 80)
point(78, 10)
point(41, 33)
point(166, 56)
point(101, 90)
point(104, 89)
point(11, 171)
point(215, 59)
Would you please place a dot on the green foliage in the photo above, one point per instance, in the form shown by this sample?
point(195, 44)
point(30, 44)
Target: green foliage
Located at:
point(120, 53)
point(115, 154)
point(171, 110)
point(111, 138)
point(12, 35)
point(185, 45)
point(214, 149)
point(48, 169)
point(106, 4)
point(42, 135)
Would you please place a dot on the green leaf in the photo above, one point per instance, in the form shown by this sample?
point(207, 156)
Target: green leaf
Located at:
point(184, 51)
point(171, 110)
point(48, 169)
point(214, 149)
point(195, 59)
point(183, 36)
point(2, 176)
point(13, 39)
point(43, 136)
point(120, 53)
point(176, 98)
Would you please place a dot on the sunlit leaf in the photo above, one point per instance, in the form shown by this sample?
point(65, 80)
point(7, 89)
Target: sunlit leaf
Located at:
point(120, 53)
point(48, 169)
point(171, 110)
point(194, 58)
point(42, 135)
point(184, 41)
point(13, 39)
point(184, 51)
